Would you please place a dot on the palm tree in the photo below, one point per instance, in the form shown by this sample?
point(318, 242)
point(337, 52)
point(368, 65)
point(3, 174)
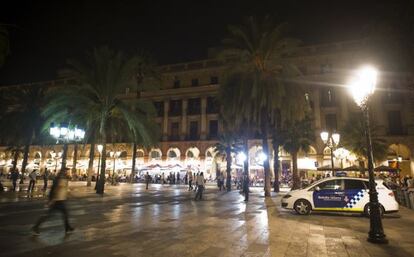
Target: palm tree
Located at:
point(299, 135)
point(353, 138)
point(258, 46)
point(226, 146)
point(97, 99)
point(22, 120)
point(146, 72)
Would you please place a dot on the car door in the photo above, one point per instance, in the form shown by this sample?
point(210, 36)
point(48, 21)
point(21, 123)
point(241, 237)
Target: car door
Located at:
point(356, 195)
point(329, 195)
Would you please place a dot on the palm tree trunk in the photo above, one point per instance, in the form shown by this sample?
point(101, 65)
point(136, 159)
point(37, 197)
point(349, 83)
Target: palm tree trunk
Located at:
point(90, 165)
point(15, 159)
point(134, 157)
point(266, 164)
point(276, 166)
point(246, 180)
point(228, 169)
point(25, 157)
point(101, 182)
point(75, 160)
point(295, 171)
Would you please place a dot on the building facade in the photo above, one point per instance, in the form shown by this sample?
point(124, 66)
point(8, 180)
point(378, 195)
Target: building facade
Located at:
point(188, 116)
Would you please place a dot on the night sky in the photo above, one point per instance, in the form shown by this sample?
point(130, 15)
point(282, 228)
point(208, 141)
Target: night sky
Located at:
point(45, 33)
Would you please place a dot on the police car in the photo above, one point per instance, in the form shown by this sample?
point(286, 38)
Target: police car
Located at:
point(339, 194)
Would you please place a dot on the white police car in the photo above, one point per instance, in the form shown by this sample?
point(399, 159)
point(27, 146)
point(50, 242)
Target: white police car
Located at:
point(339, 194)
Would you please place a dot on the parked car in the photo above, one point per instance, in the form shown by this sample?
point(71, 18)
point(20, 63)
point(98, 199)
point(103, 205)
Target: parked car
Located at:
point(339, 194)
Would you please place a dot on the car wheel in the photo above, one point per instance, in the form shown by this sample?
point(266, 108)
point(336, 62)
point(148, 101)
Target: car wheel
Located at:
point(367, 212)
point(302, 207)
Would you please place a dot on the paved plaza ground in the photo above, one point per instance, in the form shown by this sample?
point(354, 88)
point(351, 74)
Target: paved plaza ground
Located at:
point(165, 221)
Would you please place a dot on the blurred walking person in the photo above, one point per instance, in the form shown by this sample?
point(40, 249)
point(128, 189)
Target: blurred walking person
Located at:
point(32, 182)
point(190, 181)
point(200, 186)
point(14, 178)
point(45, 178)
point(57, 202)
point(147, 180)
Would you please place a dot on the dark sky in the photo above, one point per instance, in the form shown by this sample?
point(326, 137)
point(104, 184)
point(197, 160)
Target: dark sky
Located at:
point(46, 33)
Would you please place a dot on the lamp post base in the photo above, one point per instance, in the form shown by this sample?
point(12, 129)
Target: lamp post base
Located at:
point(377, 238)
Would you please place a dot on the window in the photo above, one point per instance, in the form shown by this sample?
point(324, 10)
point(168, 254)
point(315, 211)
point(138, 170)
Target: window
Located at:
point(194, 106)
point(212, 105)
point(352, 184)
point(330, 122)
point(395, 123)
point(328, 97)
point(155, 155)
point(172, 154)
point(213, 129)
point(175, 108)
point(214, 80)
point(335, 184)
point(159, 106)
point(175, 132)
point(176, 83)
point(194, 82)
point(193, 130)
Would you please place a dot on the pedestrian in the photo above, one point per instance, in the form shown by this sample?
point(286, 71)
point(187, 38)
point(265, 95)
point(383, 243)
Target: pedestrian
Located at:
point(200, 186)
point(147, 180)
point(246, 188)
point(14, 178)
point(57, 202)
point(163, 178)
point(190, 181)
point(45, 178)
point(32, 182)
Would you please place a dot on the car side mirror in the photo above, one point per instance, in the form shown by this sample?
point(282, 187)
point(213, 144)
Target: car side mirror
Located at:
point(317, 188)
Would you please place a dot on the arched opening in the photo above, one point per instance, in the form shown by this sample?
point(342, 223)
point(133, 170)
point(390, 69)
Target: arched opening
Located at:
point(399, 157)
point(155, 154)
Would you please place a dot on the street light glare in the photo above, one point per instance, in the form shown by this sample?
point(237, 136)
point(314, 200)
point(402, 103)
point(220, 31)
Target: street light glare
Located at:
point(363, 84)
point(241, 157)
point(324, 136)
point(336, 137)
point(100, 148)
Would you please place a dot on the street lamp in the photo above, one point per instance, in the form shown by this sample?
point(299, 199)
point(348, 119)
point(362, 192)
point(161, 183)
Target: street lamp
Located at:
point(114, 155)
point(99, 147)
point(331, 141)
point(65, 133)
point(362, 87)
point(341, 153)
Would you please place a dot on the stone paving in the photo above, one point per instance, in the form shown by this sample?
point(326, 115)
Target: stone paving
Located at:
point(165, 221)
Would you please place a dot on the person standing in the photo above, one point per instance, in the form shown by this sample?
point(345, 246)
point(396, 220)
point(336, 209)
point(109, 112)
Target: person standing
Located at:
point(57, 202)
point(190, 181)
point(163, 178)
point(45, 178)
point(200, 186)
point(32, 182)
point(14, 178)
point(147, 180)
point(178, 178)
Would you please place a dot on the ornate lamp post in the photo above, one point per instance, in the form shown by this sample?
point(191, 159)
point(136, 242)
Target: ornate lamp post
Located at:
point(66, 134)
point(331, 141)
point(99, 147)
point(114, 155)
point(362, 87)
